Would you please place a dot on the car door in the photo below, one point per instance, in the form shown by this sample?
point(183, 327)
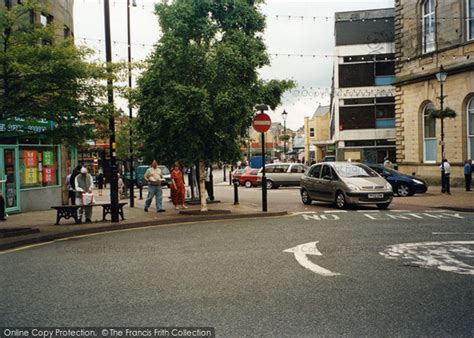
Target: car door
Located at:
point(296, 171)
point(328, 183)
point(313, 182)
point(280, 174)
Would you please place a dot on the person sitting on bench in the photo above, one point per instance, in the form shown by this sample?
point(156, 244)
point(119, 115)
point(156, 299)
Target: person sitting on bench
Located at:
point(83, 184)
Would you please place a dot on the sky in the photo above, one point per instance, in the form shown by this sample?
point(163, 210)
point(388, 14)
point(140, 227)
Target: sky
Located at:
point(299, 38)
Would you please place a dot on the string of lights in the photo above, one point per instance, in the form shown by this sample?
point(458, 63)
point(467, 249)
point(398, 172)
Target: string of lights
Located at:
point(286, 17)
point(85, 40)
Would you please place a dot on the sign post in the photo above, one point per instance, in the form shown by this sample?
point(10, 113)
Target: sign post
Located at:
point(261, 123)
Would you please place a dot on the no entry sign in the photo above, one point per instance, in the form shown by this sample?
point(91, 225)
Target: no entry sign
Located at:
point(262, 122)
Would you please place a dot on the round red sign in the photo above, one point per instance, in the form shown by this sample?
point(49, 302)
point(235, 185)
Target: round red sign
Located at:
point(261, 122)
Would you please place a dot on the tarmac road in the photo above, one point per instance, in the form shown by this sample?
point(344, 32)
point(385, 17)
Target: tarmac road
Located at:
point(236, 277)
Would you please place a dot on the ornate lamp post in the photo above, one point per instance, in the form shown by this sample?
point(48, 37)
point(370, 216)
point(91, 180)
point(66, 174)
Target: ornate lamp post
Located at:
point(130, 110)
point(441, 77)
point(284, 115)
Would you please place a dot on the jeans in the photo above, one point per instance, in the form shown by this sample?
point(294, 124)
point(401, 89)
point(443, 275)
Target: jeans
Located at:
point(468, 178)
point(157, 192)
point(445, 183)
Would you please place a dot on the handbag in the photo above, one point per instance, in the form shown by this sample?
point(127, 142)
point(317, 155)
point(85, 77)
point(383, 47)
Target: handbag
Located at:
point(88, 199)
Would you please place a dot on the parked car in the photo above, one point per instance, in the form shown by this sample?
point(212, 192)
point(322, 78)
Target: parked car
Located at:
point(250, 179)
point(403, 185)
point(283, 174)
point(239, 172)
point(345, 183)
point(139, 176)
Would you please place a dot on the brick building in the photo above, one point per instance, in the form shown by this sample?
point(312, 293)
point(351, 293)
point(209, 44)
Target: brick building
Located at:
point(430, 34)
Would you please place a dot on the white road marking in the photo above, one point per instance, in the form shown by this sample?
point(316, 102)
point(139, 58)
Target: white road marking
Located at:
point(368, 211)
point(444, 256)
point(335, 211)
point(400, 210)
point(453, 233)
point(301, 253)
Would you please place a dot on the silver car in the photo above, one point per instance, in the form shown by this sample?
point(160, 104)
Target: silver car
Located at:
point(287, 174)
point(345, 183)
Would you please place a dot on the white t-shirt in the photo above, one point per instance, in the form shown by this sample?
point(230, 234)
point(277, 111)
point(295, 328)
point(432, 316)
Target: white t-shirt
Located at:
point(447, 166)
point(154, 176)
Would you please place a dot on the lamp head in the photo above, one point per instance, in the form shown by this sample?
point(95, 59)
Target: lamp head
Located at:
point(441, 75)
point(284, 114)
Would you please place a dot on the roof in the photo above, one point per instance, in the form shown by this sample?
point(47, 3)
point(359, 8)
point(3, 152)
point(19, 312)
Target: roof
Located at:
point(321, 111)
point(379, 13)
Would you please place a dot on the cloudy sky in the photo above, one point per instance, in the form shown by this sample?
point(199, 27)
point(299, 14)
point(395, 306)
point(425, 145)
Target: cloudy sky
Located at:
point(299, 37)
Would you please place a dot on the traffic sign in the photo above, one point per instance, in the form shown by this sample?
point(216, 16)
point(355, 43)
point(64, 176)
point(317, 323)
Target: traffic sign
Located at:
point(261, 122)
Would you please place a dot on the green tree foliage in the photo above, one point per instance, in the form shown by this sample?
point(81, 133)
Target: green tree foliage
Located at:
point(44, 76)
point(196, 98)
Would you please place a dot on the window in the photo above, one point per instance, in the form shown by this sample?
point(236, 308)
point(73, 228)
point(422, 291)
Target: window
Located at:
point(356, 75)
point(316, 171)
point(428, 29)
point(297, 169)
point(43, 20)
point(311, 132)
point(67, 32)
point(280, 169)
point(429, 135)
point(38, 166)
point(470, 128)
point(326, 171)
point(470, 19)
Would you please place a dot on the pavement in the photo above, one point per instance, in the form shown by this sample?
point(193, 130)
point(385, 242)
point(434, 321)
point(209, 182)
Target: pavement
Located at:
point(280, 201)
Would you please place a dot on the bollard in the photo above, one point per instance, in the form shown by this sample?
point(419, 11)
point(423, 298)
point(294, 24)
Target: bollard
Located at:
point(236, 194)
point(140, 189)
point(225, 177)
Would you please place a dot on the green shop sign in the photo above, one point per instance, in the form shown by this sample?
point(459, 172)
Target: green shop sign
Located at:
point(16, 127)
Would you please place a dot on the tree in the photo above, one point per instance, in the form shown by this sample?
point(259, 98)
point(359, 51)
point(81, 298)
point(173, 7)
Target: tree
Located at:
point(196, 98)
point(46, 77)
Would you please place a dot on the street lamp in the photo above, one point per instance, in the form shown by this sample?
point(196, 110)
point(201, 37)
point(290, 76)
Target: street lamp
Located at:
point(284, 115)
point(130, 110)
point(441, 77)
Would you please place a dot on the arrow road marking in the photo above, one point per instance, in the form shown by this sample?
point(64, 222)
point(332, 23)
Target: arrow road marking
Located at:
point(301, 253)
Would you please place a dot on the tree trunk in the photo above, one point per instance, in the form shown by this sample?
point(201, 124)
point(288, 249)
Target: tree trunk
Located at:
point(202, 183)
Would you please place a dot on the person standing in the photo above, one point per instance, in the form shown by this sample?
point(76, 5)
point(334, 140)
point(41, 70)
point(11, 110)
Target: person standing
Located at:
point(72, 183)
point(468, 174)
point(83, 184)
point(177, 187)
point(387, 163)
point(154, 176)
point(445, 178)
point(100, 182)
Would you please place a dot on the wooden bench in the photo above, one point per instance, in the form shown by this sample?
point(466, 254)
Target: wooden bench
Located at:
point(70, 211)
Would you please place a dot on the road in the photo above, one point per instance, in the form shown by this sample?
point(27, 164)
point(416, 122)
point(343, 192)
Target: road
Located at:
point(236, 276)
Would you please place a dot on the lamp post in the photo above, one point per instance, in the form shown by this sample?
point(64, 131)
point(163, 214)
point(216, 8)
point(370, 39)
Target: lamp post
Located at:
point(110, 95)
point(130, 110)
point(284, 115)
point(441, 77)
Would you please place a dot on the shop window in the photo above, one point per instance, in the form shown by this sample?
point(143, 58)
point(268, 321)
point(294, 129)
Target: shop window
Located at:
point(470, 128)
point(39, 166)
point(429, 135)
point(428, 28)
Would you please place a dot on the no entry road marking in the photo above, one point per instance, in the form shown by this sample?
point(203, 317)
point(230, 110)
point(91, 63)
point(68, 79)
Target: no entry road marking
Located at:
point(377, 215)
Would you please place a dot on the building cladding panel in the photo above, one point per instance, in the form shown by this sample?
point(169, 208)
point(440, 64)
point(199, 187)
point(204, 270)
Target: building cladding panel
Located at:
point(417, 85)
point(364, 27)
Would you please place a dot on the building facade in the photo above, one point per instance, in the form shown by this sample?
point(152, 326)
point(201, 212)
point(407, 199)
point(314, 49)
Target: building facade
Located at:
point(317, 136)
point(363, 100)
point(34, 170)
point(431, 34)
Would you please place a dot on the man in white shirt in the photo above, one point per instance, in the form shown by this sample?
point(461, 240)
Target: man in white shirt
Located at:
point(154, 176)
point(445, 184)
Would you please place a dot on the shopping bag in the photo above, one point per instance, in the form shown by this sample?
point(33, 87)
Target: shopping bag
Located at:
point(88, 198)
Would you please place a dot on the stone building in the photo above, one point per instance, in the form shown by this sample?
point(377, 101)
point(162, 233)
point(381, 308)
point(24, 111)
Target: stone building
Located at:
point(430, 34)
point(317, 136)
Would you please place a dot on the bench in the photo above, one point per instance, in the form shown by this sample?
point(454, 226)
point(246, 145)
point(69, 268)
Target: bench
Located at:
point(70, 211)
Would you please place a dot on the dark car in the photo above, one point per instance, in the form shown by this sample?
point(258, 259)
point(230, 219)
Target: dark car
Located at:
point(403, 185)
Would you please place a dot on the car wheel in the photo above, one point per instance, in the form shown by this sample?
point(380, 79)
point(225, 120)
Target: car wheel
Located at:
point(383, 205)
point(270, 184)
point(248, 184)
point(340, 200)
point(403, 190)
point(305, 197)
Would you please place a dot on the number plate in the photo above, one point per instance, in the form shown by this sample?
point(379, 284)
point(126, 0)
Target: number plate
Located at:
point(375, 195)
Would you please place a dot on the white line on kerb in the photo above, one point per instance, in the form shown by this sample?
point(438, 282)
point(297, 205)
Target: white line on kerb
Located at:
point(453, 233)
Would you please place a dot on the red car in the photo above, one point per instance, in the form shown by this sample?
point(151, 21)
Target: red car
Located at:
point(250, 179)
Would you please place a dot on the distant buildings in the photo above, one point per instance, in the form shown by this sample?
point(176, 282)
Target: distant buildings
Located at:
point(430, 34)
point(317, 138)
point(363, 104)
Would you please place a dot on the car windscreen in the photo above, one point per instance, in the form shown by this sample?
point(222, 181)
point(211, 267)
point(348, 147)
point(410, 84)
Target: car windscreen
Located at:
point(164, 170)
point(354, 170)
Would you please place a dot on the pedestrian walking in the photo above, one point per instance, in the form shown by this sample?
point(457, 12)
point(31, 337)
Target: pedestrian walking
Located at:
point(177, 187)
point(154, 176)
point(100, 182)
point(84, 185)
point(121, 186)
point(445, 184)
point(208, 184)
point(468, 174)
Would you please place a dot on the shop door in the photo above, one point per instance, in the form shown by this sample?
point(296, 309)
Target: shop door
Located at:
point(9, 172)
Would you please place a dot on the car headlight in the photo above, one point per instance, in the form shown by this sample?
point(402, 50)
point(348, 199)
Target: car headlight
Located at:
point(417, 181)
point(388, 186)
point(353, 187)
